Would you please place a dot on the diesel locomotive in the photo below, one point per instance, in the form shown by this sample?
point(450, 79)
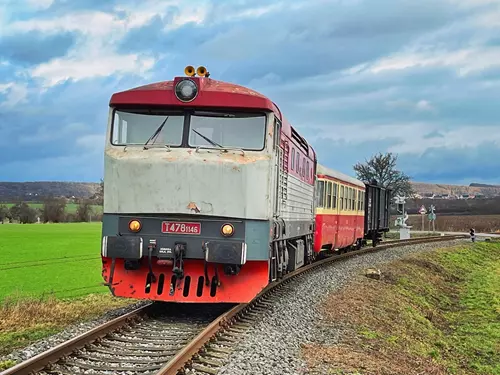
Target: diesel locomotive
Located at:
point(210, 194)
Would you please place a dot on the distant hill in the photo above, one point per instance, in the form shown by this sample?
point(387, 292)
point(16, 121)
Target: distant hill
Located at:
point(33, 191)
point(484, 185)
point(486, 190)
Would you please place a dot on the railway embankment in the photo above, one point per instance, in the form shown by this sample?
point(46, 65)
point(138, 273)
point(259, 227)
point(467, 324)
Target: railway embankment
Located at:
point(278, 343)
point(430, 313)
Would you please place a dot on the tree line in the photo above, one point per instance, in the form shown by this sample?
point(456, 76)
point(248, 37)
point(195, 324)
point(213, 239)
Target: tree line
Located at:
point(52, 210)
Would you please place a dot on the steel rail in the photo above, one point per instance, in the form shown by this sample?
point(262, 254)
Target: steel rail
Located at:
point(39, 361)
point(186, 354)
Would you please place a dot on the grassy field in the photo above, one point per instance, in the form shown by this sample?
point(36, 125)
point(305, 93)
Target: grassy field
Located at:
point(433, 313)
point(50, 277)
point(70, 207)
point(59, 259)
point(457, 223)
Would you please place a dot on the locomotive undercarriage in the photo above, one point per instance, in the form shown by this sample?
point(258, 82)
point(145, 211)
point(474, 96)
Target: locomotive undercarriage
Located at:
point(287, 255)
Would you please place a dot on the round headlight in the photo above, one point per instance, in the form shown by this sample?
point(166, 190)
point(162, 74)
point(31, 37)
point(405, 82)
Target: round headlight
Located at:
point(227, 230)
point(134, 225)
point(186, 90)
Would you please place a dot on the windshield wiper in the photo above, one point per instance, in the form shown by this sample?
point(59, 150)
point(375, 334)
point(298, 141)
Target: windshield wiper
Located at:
point(208, 139)
point(157, 131)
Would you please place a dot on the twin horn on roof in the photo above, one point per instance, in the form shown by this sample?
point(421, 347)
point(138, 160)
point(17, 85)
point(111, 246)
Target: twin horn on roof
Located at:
point(201, 71)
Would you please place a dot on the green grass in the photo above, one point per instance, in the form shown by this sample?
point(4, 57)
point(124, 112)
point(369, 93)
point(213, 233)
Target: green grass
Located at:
point(431, 313)
point(453, 307)
point(38, 259)
point(50, 277)
point(475, 321)
point(70, 207)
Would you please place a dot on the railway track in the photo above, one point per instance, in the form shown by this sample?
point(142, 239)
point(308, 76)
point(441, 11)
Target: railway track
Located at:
point(167, 339)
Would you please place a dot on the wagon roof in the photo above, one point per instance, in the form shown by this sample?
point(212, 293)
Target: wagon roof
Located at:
point(322, 170)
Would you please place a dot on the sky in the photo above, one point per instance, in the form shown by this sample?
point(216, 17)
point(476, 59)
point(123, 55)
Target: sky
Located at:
point(420, 78)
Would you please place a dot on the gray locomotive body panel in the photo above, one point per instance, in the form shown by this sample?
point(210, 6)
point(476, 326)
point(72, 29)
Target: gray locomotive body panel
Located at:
point(183, 181)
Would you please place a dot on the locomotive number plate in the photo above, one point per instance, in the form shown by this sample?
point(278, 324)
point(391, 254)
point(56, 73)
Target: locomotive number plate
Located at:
point(180, 227)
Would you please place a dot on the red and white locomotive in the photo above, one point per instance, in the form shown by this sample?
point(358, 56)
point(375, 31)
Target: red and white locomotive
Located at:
point(210, 194)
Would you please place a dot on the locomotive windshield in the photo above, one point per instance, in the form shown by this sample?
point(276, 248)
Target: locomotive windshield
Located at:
point(206, 129)
point(244, 131)
point(136, 128)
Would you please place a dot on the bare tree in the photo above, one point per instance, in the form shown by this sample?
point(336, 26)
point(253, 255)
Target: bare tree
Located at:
point(53, 210)
point(83, 211)
point(15, 211)
point(4, 213)
point(382, 168)
point(23, 213)
point(100, 194)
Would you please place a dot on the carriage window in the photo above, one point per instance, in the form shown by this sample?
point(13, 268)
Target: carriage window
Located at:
point(329, 195)
point(136, 128)
point(307, 170)
point(335, 194)
point(346, 198)
point(351, 198)
point(246, 131)
point(341, 200)
point(320, 194)
point(297, 163)
point(293, 158)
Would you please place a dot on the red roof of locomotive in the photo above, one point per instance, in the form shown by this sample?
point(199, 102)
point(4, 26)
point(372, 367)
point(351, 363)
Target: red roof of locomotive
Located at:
point(211, 93)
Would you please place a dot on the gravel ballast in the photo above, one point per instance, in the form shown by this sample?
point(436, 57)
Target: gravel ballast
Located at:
point(272, 346)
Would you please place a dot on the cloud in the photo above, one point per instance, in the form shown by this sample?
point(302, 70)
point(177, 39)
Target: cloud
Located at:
point(355, 77)
point(92, 65)
point(14, 94)
point(34, 48)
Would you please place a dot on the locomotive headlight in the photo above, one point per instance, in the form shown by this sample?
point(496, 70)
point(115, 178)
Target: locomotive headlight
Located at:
point(134, 225)
point(227, 230)
point(186, 90)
